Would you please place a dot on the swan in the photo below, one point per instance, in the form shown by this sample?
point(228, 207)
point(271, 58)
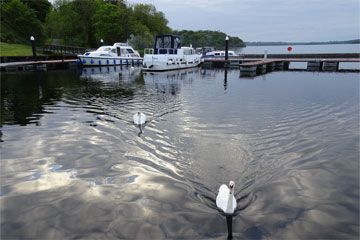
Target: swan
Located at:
point(225, 199)
point(139, 118)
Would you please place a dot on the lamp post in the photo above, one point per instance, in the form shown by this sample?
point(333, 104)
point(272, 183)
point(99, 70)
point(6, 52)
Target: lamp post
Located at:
point(226, 48)
point(32, 39)
point(101, 42)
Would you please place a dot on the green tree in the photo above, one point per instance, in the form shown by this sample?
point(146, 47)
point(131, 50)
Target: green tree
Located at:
point(142, 38)
point(72, 22)
point(146, 15)
point(208, 38)
point(41, 7)
point(19, 22)
point(110, 23)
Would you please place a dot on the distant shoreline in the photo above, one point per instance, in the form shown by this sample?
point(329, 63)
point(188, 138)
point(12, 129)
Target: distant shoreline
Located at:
point(355, 41)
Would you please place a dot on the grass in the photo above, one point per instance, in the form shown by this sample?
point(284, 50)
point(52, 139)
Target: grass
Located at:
point(8, 49)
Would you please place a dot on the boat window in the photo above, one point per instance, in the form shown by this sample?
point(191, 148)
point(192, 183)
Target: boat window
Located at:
point(113, 50)
point(217, 54)
point(167, 42)
point(177, 43)
point(159, 43)
point(105, 55)
point(130, 50)
point(123, 51)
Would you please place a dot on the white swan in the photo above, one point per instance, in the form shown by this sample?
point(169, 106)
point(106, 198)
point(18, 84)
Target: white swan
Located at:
point(139, 118)
point(225, 199)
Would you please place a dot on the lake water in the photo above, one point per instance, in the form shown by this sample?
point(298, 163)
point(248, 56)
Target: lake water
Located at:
point(296, 49)
point(300, 49)
point(73, 165)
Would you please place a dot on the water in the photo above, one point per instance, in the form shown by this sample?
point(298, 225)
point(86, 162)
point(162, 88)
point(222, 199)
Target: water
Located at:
point(306, 49)
point(299, 49)
point(73, 165)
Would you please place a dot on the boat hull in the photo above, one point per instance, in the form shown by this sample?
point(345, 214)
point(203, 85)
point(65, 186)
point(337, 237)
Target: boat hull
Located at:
point(160, 63)
point(170, 67)
point(108, 61)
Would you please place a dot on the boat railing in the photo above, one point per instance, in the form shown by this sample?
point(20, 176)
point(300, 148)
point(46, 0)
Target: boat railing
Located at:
point(148, 51)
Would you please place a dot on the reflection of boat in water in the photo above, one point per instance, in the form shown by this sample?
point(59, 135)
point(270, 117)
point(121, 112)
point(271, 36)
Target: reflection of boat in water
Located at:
point(168, 54)
point(118, 54)
point(110, 73)
point(170, 82)
point(184, 75)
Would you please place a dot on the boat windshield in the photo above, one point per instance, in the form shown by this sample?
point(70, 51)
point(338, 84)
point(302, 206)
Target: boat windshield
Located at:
point(165, 42)
point(103, 49)
point(130, 50)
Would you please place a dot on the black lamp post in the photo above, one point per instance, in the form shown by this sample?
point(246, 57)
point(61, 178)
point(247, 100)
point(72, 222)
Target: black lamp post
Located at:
point(226, 48)
point(32, 39)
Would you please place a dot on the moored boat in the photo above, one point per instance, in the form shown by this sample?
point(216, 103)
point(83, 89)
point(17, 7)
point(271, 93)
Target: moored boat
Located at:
point(168, 54)
point(216, 54)
point(118, 54)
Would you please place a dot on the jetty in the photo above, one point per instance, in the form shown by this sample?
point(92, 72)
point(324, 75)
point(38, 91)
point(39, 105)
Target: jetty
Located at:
point(253, 64)
point(39, 63)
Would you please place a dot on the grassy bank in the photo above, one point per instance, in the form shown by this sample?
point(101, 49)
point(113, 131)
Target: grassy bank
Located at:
point(7, 49)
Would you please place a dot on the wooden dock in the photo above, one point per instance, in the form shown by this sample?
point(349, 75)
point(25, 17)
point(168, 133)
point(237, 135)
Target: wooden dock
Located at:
point(253, 66)
point(42, 65)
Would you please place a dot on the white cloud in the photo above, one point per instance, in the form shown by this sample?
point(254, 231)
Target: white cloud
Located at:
point(265, 20)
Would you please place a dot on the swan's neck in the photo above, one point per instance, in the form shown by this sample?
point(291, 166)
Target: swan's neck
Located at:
point(229, 204)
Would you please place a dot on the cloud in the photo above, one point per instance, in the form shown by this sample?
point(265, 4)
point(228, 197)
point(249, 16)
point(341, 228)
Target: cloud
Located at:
point(265, 20)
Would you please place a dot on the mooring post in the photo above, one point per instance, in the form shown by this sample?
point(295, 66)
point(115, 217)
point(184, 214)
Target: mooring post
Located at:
point(226, 49)
point(32, 39)
point(265, 54)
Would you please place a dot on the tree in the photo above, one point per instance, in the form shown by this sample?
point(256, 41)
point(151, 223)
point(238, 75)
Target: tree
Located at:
point(146, 15)
point(208, 38)
point(19, 22)
point(110, 23)
point(41, 7)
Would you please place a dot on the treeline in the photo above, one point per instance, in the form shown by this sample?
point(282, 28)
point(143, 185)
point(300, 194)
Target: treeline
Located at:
point(207, 38)
point(81, 22)
point(84, 22)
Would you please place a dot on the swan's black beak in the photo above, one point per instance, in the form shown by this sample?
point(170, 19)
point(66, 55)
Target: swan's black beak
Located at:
point(231, 186)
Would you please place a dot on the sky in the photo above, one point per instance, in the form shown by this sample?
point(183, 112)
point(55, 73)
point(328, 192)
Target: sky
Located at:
point(265, 20)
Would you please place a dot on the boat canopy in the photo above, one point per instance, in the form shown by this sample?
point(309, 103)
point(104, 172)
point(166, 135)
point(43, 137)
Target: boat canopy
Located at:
point(165, 42)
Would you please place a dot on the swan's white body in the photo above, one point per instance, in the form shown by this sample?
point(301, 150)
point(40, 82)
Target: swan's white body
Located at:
point(139, 118)
point(225, 199)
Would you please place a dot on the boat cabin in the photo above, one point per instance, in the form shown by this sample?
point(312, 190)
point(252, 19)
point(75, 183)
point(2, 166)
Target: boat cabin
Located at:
point(167, 44)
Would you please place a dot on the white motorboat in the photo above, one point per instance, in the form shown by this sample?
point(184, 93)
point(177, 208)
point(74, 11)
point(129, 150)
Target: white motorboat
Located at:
point(220, 54)
point(118, 54)
point(168, 54)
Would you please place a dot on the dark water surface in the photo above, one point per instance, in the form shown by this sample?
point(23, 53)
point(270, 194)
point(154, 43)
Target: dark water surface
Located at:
point(73, 165)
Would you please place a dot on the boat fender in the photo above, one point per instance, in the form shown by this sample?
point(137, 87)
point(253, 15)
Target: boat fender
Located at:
point(91, 61)
point(99, 62)
point(169, 62)
point(84, 61)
